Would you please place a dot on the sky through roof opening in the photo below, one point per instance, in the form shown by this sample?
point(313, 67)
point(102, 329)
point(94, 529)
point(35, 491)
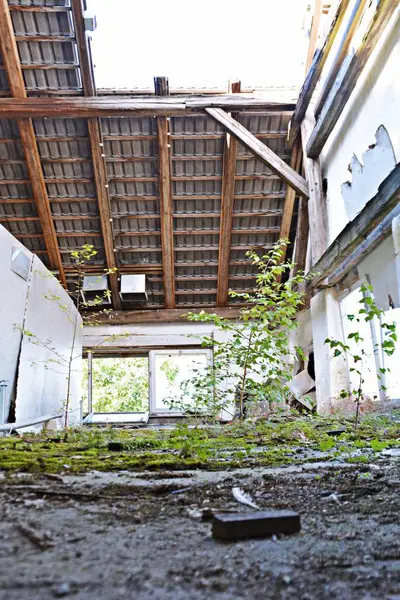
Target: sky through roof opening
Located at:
point(261, 42)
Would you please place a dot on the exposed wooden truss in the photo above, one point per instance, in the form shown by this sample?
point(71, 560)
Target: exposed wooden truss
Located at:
point(96, 145)
point(17, 86)
point(318, 62)
point(347, 79)
point(177, 315)
point(166, 209)
point(119, 106)
point(276, 164)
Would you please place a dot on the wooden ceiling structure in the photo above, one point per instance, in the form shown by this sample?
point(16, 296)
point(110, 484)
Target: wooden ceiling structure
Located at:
point(174, 185)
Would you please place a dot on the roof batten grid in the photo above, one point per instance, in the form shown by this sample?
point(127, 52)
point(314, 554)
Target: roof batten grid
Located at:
point(27, 137)
point(96, 145)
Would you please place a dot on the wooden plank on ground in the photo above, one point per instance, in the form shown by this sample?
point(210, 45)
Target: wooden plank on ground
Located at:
point(348, 77)
point(245, 137)
point(13, 68)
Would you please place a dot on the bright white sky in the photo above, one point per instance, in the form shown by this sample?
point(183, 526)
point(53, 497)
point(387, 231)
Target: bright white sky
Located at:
point(201, 44)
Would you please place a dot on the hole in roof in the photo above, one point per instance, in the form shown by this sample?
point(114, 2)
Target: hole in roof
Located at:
point(202, 45)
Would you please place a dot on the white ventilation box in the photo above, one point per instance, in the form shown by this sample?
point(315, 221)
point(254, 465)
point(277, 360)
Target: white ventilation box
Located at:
point(133, 289)
point(95, 287)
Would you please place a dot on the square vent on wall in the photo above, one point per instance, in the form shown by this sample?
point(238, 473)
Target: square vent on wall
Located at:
point(133, 289)
point(95, 287)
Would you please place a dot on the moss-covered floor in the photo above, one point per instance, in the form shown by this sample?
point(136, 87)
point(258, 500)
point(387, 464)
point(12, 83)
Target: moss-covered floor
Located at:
point(277, 441)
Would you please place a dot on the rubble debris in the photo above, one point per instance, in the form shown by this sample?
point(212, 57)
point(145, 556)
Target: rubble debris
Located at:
point(243, 498)
point(228, 526)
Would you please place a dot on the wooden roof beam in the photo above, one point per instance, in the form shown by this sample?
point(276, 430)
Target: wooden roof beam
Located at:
point(113, 106)
point(12, 64)
point(166, 208)
point(314, 73)
point(245, 137)
point(177, 315)
point(96, 146)
point(348, 77)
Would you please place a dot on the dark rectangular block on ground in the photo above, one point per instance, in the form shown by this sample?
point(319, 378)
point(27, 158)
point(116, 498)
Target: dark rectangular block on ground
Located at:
point(235, 526)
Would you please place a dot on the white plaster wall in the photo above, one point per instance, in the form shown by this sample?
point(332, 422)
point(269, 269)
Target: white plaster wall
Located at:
point(146, 335)
point(380, 265)
point(12, 307)
point(374, 102)
point(42, 383)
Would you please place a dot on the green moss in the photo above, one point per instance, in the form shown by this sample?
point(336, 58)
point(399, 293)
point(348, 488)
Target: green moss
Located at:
point(249, 443)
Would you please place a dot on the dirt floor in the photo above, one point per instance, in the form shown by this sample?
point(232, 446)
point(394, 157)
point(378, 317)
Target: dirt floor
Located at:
point(144, 534)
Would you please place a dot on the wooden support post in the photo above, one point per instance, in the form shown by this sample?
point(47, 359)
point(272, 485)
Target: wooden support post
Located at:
point(166, 208)
point(316, 20)
point(316, 203)
point(13, 68)
point(302, 234)
point(314, 73)
point(227, 206)
point(348, 77)
point(260, 150)
point(96, 146)
point(290, 196)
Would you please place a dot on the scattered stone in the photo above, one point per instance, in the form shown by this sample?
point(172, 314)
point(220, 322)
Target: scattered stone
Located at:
point(338, 431)
point(115, 446)
point(62, 590)
point(228, 526)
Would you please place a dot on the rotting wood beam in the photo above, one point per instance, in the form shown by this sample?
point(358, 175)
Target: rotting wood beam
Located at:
point(245, 137)
point(96, 146)
point(132, 317)
point(226, 216)
point(344, 46)
point(288, 206)
point(318, 62)
point(316, 203)
point(348, 77)
point(166, 209)
point(102, 106)
point(12, 64)
point(355, 232)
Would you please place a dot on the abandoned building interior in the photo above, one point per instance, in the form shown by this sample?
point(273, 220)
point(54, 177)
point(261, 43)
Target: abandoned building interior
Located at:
point(132, 226)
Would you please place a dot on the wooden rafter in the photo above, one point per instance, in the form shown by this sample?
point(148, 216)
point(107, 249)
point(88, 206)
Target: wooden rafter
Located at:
point(96, 145)
point(226, 218)
point(347, 78)
point(166, 208)
point(114, 106)
point(12, 64)
point(276, 164)
point(315, 71)
point(344, 46)
point(177, 315)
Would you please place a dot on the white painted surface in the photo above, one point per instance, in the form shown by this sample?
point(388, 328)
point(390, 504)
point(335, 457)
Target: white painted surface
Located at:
point(374, 102)
point(12, 307)
point(380, 265)
point(42, 381)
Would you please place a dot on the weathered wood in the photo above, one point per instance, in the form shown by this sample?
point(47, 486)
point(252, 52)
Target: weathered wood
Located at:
point(178, 315)
point(276, 164)
point(316, 20)
point(314, 73)
point(96, 145)
point(102, 106)
point(12, 64)
point(166, 209)
point(342, 52)
point(348, 77)
point(302, 234)
point(355, 232)
point(316, 203)
point(288, 206)
point(161, 86)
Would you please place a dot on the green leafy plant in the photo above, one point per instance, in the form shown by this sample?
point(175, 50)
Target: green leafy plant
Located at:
point(357, 358)
point(253, 362)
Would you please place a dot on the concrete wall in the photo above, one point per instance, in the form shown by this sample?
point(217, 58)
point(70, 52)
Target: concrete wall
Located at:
point(34, 365)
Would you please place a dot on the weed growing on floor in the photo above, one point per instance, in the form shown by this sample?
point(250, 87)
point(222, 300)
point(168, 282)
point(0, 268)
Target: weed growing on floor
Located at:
point(357, 358)
point(252, 357)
